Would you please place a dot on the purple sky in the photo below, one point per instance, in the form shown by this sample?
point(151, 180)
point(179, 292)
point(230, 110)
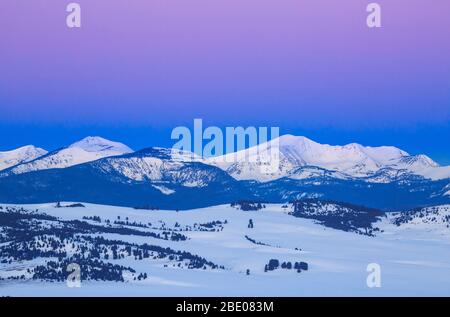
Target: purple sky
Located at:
point(305, 65)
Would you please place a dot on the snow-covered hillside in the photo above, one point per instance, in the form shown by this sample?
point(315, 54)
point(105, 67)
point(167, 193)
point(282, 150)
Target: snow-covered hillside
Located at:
point(210, 251)
point(161, 165)
point(352, 160)
point(86, 150)
point(20, 155)
point(429, 222)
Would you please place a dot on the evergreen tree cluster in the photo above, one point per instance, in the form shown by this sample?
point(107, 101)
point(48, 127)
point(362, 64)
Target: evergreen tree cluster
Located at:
point(212, 226)
point(256, 242)
point(338, 215)
point(93, 218)
point(426, 215)
point(28, 235)
point(90, 269)
point(274, 264)
point(247, 205)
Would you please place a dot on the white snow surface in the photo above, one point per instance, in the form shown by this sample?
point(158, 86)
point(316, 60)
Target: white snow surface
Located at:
point(20, 155)
point(414, 259)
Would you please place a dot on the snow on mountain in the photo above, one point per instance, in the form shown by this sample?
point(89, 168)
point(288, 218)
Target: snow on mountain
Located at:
point(436, 173)
point(164, 190)
point(161, 165)
point(447, 190)
point(417, 162)
point(85, 150)
point(20, 155)
point(298, 158)
point(351, 160)
point(308, 172)
point(100, 145)
point(164, 178)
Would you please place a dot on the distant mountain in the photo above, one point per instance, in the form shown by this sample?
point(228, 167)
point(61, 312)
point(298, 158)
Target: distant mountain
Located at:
point(153, 177)
point(100, 171)
point(19, 156)
point(86, 150)
point(100, 145)
point(375, 164)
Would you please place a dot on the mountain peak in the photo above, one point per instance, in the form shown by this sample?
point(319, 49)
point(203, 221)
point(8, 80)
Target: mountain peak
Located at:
point(99, 144)
point(30, 149)
point(289, 139)
point(20, 155)
point(25, 148)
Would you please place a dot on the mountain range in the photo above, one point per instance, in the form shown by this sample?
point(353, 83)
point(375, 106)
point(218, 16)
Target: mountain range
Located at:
point(298, 154)
point(87, 150)
point(101, 171)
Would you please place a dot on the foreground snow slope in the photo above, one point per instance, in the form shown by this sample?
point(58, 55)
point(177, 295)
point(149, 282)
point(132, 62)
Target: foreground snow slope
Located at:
point(411, 264)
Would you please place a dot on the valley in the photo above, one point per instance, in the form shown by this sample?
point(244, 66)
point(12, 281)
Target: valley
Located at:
point(214, 251)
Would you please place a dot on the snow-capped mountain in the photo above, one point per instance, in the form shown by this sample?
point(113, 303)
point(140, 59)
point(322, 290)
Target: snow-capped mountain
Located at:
point(85, 150)
point(348, 161)
point(164, 178)
point(19, 156)
point(100, 171)
point(160, 165)
point(100, 145)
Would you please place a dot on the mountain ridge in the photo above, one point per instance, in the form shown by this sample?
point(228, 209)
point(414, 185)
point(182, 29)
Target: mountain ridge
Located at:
point(386, 177)
point(83, 151)
point(351, 160)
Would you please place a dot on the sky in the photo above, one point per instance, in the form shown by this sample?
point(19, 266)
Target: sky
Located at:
point(136, 69)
